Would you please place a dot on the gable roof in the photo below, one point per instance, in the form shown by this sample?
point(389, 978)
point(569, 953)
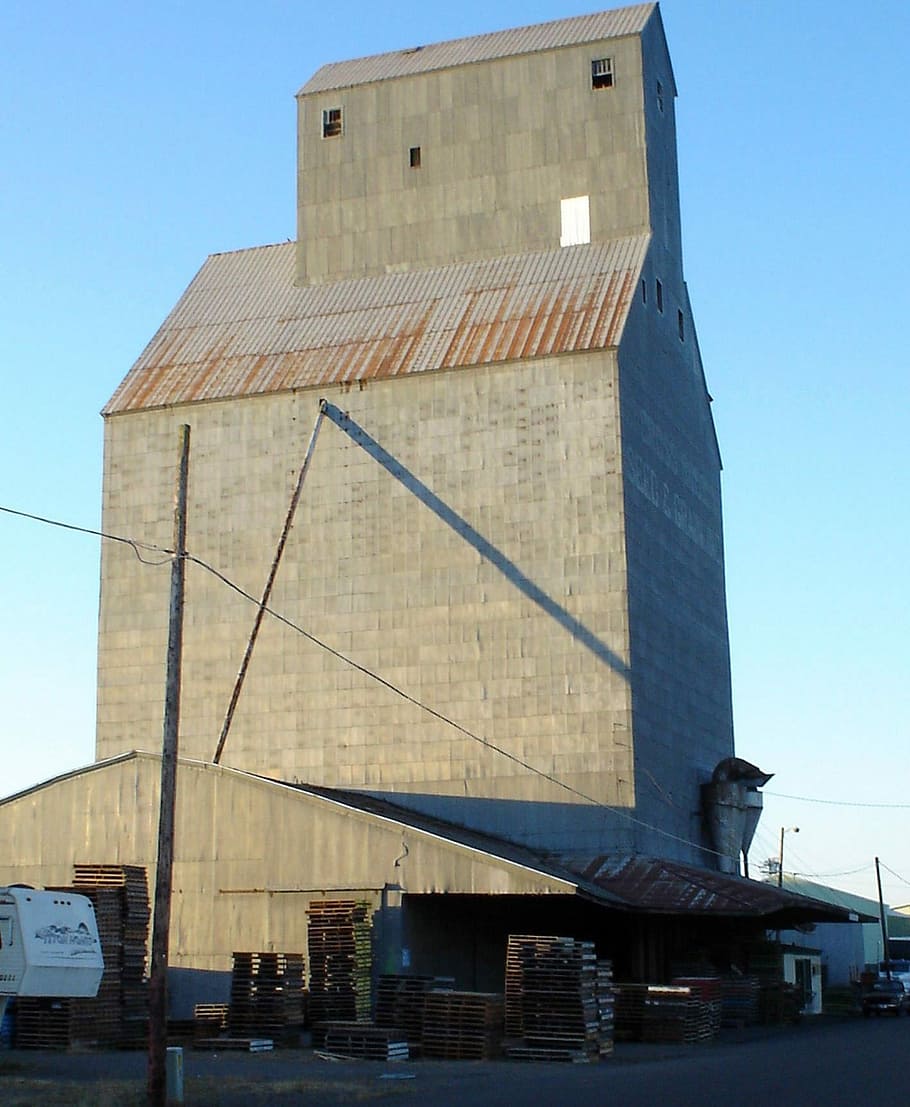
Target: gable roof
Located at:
point(629, 883)
point(243, 328)
point(463, 51)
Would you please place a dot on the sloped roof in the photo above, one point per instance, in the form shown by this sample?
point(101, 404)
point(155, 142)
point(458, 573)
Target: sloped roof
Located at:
point(477, 48)
point(244, 328)
point(631, 884)
point(658, 886)
point(860, 905)
point(625, 882)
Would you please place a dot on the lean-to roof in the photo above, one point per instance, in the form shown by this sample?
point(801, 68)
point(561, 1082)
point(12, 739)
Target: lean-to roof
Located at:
point(243, 328)
point(464, 51)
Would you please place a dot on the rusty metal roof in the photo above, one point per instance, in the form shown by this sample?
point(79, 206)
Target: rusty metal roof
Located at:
point(629, 883)
point(659, 886)
point(243, 327)
point(463, 51)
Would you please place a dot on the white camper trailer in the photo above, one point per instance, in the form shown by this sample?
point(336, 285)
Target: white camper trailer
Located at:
point(49, 944)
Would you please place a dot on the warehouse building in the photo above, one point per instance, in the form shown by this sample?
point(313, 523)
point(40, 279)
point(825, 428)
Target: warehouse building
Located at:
point(492, 691)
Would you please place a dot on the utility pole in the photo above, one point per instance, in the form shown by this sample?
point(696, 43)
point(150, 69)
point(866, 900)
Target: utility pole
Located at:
point(881, 915)
point(157, 1050)
point(780, 859)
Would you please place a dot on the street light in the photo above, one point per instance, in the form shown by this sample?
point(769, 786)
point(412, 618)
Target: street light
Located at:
point(780, 859)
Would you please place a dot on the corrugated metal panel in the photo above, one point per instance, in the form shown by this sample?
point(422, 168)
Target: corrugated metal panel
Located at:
point(242, 327)
point(672, 888)
point(463, 51)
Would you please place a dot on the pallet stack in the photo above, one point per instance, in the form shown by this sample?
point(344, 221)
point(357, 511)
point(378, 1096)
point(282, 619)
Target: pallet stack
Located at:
point(555, 1010)
point(364, 1041)
point(462, 1026)
point(210, 1020)
point(401, 1001)
point(267, 996)
point(606, 1004)
point(339, 945)
point(739, 1000)
point(42, 1023)
point(709, 990)
point(118, 1015)
point(131, 882)
point(662, 1013)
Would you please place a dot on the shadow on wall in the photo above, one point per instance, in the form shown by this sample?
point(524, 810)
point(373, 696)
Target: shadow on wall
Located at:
point(482, 545)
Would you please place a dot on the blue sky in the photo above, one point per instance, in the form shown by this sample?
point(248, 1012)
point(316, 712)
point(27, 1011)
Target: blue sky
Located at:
point(135, 140)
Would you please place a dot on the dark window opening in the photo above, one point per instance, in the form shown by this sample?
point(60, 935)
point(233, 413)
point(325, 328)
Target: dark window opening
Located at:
point(331, 123)
point(660, 96)
point(681, 326)
point(659, 290)
point(602, 73)
point(644, 291)
point(414, 157)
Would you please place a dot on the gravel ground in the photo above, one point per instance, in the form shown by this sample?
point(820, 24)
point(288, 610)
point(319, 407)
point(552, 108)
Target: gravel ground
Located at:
point(234, 1079)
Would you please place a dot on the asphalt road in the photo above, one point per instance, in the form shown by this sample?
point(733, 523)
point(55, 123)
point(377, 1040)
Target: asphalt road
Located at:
point(837, 1062)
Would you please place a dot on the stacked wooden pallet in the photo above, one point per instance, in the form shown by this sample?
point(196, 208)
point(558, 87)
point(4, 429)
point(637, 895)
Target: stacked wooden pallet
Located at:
point(118, 1014)
point(131, 881)
point(339, 945)
point(553, 1009)
point(365, 1041)
point(42, 1023)
point(210, 1020)
point(400, 1002)
point(662, 1013)
point(709, 990)
point(99, 1021)
point(739, 1000)
point(64, 1023)
point(605, 1008)
point(267, 996)
point(462, 1026)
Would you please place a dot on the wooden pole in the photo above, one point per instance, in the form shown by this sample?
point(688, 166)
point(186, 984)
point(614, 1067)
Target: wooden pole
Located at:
point(157, 1051)
point(267, 592)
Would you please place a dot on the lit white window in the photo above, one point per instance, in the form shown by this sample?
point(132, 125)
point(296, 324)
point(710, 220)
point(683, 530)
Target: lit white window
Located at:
point(602, 73)
point(576, 221)
point(331, 123)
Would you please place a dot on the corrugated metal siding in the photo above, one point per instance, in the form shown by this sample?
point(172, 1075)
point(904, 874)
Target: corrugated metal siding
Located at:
point(672, 888)
point(463, 51)
point(242, 327)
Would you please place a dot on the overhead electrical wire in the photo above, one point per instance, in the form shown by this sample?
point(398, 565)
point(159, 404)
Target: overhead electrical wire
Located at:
point(838, 803)
point(138, 547)
point(438, 715)
point(902, 879)
point(131, 542)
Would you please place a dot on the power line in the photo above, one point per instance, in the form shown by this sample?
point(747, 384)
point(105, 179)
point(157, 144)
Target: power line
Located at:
point(131, 542)
point(902, 879)
point(839, 803)
point(844, 872)
point(443, 718)
point(137, 546)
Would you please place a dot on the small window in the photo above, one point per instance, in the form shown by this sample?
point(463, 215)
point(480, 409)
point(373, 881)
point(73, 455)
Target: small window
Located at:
point(644, 292)
point(414, 157)
point(660, 96)
point(681, 326)
point(602, 73)
point(659, 295)
point(575, 216)
point(331, 123)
